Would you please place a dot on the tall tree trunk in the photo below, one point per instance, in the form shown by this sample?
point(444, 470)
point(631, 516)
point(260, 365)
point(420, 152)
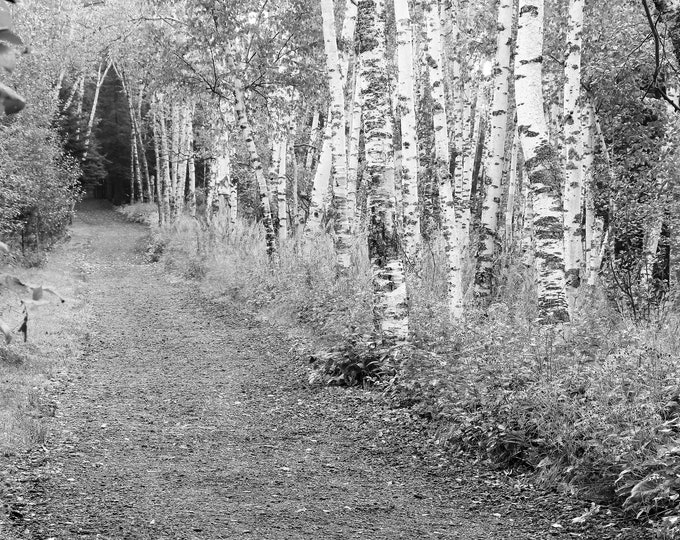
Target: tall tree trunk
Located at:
point(191, 197)
point(513, 182)
point(353, 147)
point(162, 217)
point(433, 58)
point(594, 225)
point(409, 142)
point(338, 136)
point(163, 173)
point(496, 153)
point(222, 162)
point(148, 193)
point(72, 93)
point(95, 101)
point(255, 162)
point(313, 141)
point(471, 165)
point(173, 157)
point(573, 150)
point(295, 206)
point(281, 188)
point(542, 165)
point(390, 303)
point(320, 185)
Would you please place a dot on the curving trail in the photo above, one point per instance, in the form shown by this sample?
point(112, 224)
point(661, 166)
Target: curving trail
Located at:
point(188, 420)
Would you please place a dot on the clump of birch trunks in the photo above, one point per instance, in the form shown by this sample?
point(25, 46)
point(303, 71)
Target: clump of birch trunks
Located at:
point(592, 408)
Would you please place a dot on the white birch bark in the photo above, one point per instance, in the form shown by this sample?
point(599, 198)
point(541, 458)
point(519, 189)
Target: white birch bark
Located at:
point(157, 155)
point(164, 177)
point(347, 37)
point(313, 141)
point(573, 150)
point(353, 146)
point(433, 58)
point(338, 136)
point(593, 224)
point(73, 92)
point(496, 152)
point(222, 162)
point(173, 157)
point(295, 203)
point(191, 197)
point(474, 142)
point(512, 190)
point(320, 185)
point(95, 101)
point(409, 142)
point(542, 165)
point(281, 189)
point(255, 162)
point(390, 303)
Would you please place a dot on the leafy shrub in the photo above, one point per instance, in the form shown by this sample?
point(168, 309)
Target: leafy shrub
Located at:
point(361, 360)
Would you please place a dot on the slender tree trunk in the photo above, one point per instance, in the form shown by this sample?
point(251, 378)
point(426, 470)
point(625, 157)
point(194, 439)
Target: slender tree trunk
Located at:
point(162, 217)
point(442, 159)
point(512, 189)
point(409, 142)
point(313, 141)
point(72, 93)
point(281, 188)
point(338, 136)
point(163, 172)
point(320, 185)
point(255, 162)
point(573, 149)
point(148, 193)
point(173, 157)
point(390, 303)
point(295, 208)
point(496, 153)
point(474, 143)
point(191, 199)
point(527, 241)
point(233, 200)
point(220, 201)
point(95, 101)
point(353, 147)
point(346, 42)
point(593, 224)
point(542, 164)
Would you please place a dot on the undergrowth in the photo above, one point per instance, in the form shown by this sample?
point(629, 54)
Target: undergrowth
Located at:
point(592, 408)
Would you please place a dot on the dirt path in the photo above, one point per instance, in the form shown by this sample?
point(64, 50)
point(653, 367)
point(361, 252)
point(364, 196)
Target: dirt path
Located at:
point(188, 420)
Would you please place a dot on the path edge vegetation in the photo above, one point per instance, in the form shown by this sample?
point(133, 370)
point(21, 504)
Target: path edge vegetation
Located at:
point(592, 412)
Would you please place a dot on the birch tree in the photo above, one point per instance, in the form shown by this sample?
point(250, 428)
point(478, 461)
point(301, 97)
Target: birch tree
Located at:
point(573, 149)
point(450, 230)
point(281, 188)
point(390, 306)
point(255, 162)
point(407, 118)
point(338, 137)
point(496, 150)
point(541, 163)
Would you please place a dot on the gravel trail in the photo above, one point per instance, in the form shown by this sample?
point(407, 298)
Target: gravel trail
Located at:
point(186, 419)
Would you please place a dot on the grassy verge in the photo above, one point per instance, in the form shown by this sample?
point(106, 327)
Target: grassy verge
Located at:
point(55, 332)
point(592, 409)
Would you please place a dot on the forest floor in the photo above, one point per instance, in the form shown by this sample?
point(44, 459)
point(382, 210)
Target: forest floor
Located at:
point(184, 418)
